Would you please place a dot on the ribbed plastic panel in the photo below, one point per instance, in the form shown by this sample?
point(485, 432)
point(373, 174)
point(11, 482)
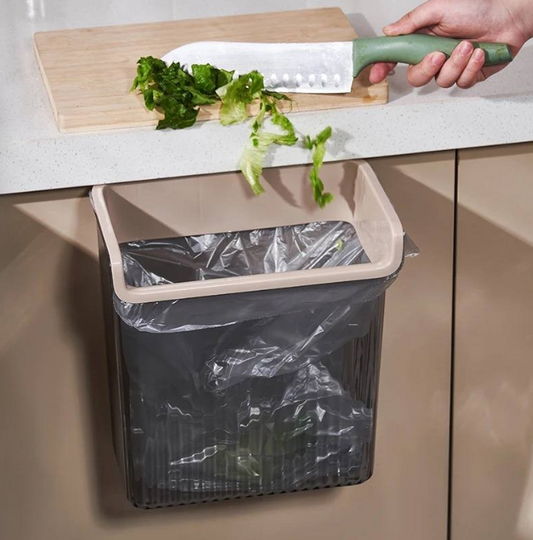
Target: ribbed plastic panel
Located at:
point(186, 444)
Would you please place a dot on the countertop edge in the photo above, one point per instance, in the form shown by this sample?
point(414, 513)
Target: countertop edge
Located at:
point(359, 133)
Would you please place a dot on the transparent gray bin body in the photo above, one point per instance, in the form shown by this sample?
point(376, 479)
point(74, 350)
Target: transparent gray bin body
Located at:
point(245, 394)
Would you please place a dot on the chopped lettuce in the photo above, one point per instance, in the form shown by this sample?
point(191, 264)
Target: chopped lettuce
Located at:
point(178, 95)
point(238, 95)
point(175, 93)
point(318, 146)
point(251, 162)
point(209, 79)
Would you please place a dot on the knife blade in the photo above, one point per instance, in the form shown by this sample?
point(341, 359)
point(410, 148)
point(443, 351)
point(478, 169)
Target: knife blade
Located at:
point(322, 68)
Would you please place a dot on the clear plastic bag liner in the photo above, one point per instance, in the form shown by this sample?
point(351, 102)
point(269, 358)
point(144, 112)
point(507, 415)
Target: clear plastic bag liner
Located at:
point(212, 256)
point(255, 392)
point(410, 249)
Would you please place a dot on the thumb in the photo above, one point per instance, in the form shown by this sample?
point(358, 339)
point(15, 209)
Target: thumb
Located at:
point(425, 15)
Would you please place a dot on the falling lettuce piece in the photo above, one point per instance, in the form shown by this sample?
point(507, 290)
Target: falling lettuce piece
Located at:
point(252, 158)
point(178, 96)
point(318, 146)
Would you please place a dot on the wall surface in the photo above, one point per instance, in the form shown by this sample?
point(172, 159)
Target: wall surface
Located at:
point(367, 16)
point(58, 475)
point(493, 406)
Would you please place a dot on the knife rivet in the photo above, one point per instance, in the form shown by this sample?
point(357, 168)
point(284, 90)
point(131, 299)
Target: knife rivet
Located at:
point(273, 79)
point(312, 80)
point(337, 80)
point(324, 80)
point(298, 80)
point(286, 78)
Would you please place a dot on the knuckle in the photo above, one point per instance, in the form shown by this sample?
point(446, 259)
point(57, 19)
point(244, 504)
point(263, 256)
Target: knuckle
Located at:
point(422, 73)
point(472, 68)
point(410, 20)
point(425, 72)
point(470, 74)
point(458, 62)
point(426, 75)
point(429, 68)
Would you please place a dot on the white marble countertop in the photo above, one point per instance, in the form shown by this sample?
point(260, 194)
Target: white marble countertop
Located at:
point(35, 156)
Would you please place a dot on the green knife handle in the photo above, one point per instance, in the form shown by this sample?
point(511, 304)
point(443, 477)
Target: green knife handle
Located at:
point(413, 48)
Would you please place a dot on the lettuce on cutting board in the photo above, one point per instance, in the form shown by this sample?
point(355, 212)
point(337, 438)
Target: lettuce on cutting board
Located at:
point(178, 95)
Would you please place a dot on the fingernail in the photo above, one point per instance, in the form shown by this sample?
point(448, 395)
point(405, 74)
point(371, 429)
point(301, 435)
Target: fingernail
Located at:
point(479, 55)
point(466, 48)
point(438, 59)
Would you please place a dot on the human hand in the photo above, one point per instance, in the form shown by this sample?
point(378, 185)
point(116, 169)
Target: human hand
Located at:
point(503, 21)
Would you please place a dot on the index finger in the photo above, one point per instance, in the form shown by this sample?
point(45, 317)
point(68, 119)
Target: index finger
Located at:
point(379, 72)
point(423, 73)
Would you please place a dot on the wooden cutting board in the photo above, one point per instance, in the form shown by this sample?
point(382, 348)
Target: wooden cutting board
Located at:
point(88, 72)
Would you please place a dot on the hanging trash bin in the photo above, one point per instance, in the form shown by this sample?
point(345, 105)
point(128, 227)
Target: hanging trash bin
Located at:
point(246, 331)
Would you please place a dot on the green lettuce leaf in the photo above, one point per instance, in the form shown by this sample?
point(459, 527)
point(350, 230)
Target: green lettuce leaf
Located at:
point(318, 146)
point(178, 96)
point(237, 95)
point(176, 93)
point(208, 78)
point(252, 158)
point(177, 115)
point(148, 69)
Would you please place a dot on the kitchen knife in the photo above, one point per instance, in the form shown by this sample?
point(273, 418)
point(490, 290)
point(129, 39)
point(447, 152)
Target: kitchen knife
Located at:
point(322, 68)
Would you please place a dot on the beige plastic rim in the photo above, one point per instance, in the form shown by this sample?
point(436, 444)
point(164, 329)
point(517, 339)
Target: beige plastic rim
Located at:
point(224, 203)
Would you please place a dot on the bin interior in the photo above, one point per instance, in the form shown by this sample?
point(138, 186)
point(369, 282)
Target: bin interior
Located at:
point(222, 255)
point(224, 203)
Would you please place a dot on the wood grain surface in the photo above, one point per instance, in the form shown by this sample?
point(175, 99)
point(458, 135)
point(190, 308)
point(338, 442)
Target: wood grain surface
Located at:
point(88, 72)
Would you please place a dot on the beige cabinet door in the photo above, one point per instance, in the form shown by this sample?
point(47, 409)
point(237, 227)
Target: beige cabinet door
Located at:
point(58, 475)
point(492, 481)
